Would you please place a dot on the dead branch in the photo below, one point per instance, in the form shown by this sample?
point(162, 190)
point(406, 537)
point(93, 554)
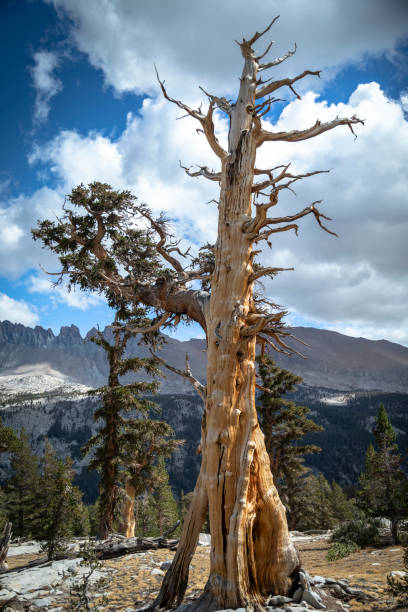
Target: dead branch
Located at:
point(266, 272)
point(202, 171)
point(201, 389)
point(276, 61)
point(221, 103)
point(206, 121)
point(274, 85)
point(315, 130)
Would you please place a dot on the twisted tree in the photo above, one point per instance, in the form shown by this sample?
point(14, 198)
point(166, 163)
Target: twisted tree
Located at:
point(251, 554)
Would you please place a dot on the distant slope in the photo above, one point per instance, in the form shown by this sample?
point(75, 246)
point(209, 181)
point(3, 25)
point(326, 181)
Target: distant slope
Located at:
point(333, 360)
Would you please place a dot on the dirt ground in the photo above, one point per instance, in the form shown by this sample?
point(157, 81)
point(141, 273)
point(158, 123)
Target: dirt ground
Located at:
point(133, 583)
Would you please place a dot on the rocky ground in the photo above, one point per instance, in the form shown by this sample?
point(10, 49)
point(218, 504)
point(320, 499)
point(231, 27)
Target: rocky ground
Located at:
point(135, 579)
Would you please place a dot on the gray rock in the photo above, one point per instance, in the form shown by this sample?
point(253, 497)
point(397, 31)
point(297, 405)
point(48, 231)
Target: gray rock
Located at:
point(165, 565)
point(157, 572)
point(314, 599)
point(337, 591)
point(330, 581)
point(204, 539)
point(343, 582)
point(42, 603)
point(278, 600)
point(317, 580)
point(297, 609)
point(304, 579)
point(6, 596)
point(297, 595)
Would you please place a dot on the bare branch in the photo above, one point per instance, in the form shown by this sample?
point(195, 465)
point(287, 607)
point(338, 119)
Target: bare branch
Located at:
point(278, 60)
point(306, 211)
point(201, 389)
point(258, 35)
point(266, 272)
point(202, 171)
point(221, 103)
point(315, 130)
point(274, 85)
point(205, 120)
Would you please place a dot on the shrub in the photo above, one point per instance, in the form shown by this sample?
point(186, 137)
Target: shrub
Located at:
point(363, 532)
point(341, 549)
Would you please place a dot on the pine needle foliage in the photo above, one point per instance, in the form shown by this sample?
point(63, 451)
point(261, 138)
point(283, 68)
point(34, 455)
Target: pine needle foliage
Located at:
point(60, 502)
point(125, 449)
point(8, 438)
point(284, 425)
point(22, 490)
point(383, 489)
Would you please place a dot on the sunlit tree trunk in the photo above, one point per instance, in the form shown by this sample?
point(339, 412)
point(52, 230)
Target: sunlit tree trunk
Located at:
point(127, 526)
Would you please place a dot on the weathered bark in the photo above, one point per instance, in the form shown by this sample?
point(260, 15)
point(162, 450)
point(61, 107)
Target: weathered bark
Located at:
point(251, 551)
point(4, 546)
point(175, 581)
point(127, 526)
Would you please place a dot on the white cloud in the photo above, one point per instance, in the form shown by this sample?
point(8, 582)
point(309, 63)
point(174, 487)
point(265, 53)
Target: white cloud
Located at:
point(359, 278)
point(18, 252)
point(45, 83)
point(17, 311)
point(61, 295)
point(192, 42)
point(404, 101)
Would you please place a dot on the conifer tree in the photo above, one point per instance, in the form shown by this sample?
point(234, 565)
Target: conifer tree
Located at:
point(145, 515)
point(166, 506)
point(284, 424)
point(8, 438)
point(22, 490)
point(94, 242)
point(60, 502)
point(383, 484)
point(144, 443)
point(342, 508)
point(125, 447)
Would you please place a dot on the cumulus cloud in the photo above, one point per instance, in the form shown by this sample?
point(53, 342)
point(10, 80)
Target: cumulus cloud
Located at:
point(355, 282)
point(18, 252)
point(45, 83)
point(61, 295)
point(192, 42)
point(17, 311)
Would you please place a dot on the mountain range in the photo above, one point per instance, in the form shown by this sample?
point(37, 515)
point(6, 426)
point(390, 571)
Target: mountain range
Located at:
point(45, 378)
point(330, 360)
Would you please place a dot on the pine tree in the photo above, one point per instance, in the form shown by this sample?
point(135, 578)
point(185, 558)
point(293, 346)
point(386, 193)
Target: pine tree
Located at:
point(284, 424)
point(383, 484)
point(8, 438)
point(144, 443)
point(22, 489)
point(60, 502)
point(166, 506)
point(125, 448)
point(146, 515)
point(342, 508)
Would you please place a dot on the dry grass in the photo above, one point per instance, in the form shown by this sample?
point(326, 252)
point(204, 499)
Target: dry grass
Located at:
point(133, 584)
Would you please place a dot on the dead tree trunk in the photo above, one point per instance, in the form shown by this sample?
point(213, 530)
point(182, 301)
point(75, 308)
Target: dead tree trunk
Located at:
point(4, 546)
point(252, 554)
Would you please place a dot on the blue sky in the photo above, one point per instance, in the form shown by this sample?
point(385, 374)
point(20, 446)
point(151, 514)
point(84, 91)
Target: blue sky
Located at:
point(80, 103)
